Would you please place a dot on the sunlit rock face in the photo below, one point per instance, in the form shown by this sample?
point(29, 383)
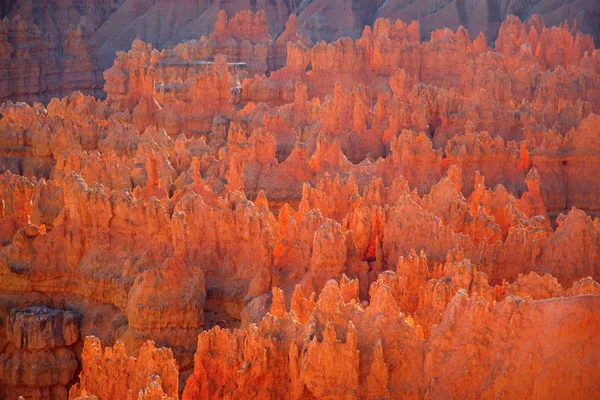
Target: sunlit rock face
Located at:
point(251, 214)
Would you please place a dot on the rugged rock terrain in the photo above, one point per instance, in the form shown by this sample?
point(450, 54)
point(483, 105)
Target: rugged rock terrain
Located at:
point(376, 218)
point(33, 69)
point(50, 70)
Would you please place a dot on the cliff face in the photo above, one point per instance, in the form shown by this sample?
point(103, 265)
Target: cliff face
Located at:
point(164, 24)
point(34, 69)
point(119, 23)
point(368, 221)
point(488, 16)
point(38, 360)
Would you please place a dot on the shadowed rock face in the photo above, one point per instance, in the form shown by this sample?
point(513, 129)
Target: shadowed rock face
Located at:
point(163, 23)
point(38, 361)
point(36, 67)
point(38, 328)
point(112, 26)
point(382, 217)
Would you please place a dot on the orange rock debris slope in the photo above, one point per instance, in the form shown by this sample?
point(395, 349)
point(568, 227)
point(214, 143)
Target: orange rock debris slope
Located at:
point(379, 218)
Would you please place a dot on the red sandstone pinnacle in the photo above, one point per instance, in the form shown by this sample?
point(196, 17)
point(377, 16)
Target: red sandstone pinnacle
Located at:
point(368, 205)
point(151, 375)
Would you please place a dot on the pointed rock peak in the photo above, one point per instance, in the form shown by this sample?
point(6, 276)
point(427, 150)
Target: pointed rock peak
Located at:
point(329, 334)
point(349, 288)
point(261, 201)
point(278, 303)
point(575, 221)
point(236, 134)
point(299, 155)
point(479, 180)
point(330, 300)
point(382, 301)
point(524, 159)
point(285, 212)
point(532, 180)
point(221, 22)
point(351, 336)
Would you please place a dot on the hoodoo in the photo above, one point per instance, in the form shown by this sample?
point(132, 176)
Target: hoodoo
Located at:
point(315, 200)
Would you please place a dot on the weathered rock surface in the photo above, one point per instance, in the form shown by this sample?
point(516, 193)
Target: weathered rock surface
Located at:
point(117, 24)
point(34, 68)
point(110, 374)
point(38, 361)
point(367, 205)
point(385, 355)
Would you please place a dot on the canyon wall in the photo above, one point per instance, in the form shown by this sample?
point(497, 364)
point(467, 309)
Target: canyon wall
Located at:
point(112, 26)
point(33, 68)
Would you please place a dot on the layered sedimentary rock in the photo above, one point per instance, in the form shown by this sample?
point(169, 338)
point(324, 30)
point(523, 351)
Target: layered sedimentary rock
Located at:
point(34, 69)
point(38, 361)
point(487, 17)
point(117, 24)
point(367, 205)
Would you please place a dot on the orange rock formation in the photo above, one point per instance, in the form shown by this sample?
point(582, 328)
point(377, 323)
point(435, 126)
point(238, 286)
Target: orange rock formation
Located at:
point(115, 24)
point(378, 218)
point(32, 69)
point(38, 361)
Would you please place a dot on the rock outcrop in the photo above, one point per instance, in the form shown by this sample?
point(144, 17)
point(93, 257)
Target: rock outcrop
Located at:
point(117, 24)
point(224, 233)
point(33, 68)
point(38, 361)
point(385, 355)
point(110, 374)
